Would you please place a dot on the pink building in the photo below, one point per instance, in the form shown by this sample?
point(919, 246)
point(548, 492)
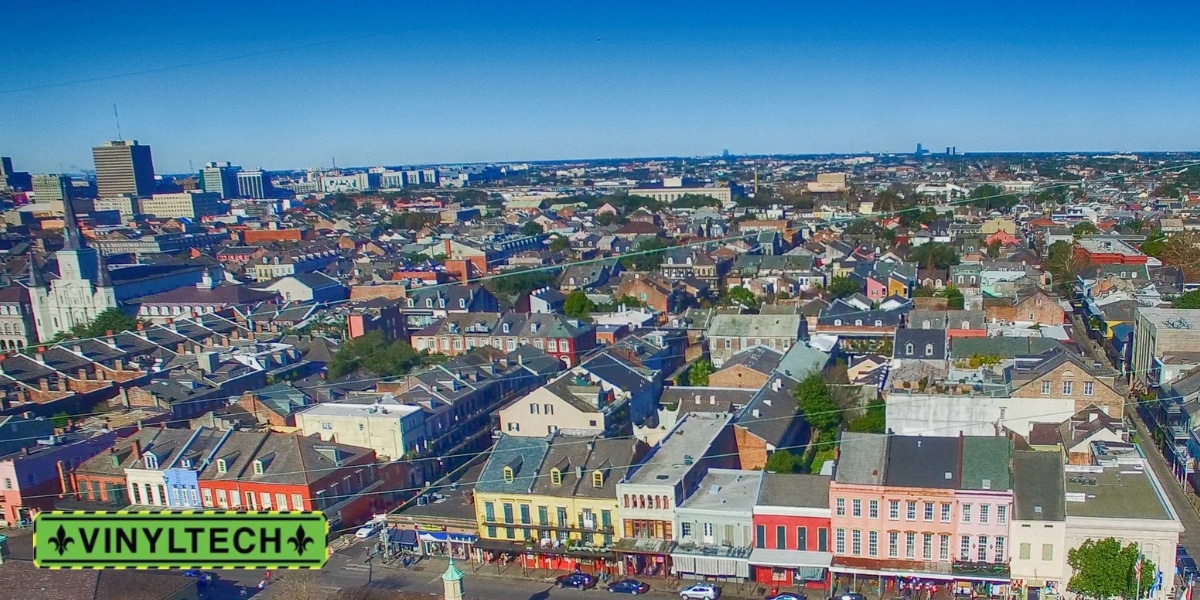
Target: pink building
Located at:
point(920, 510)
point(31, 479)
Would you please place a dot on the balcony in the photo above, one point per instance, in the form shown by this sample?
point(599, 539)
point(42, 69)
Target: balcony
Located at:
point(602, 529)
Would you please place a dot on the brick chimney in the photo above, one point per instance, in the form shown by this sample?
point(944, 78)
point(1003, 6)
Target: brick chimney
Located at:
point(137, 448)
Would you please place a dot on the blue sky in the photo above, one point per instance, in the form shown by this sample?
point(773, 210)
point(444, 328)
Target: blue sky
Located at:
point(295, 84)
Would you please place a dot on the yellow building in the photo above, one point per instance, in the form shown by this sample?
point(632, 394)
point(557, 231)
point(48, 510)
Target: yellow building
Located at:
point(552, 500)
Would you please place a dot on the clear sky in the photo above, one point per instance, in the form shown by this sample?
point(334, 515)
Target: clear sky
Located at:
point(296, 84)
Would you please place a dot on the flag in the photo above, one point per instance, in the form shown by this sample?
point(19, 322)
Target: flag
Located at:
point(1137, 570)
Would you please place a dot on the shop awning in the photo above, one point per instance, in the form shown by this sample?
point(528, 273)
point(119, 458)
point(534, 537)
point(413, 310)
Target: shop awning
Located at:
point(407, 538)
point(711, 566)
point(435, 536)
point(876, 573)
point(790, 558)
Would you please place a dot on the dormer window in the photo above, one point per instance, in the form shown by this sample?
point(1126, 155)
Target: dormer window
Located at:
point(411, 303)
point(222, 466)
point(258, 467)
point(555, 477)
point(908, 349)
point(597, 479)
point(928, 349)
point(442, 303)
point(185, 463)
point(151, 461)
point(429, 303)
point(507, 328)
point(508, 475)
point(462, 302)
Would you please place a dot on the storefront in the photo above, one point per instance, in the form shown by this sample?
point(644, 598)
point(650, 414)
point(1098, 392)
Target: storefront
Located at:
point(441, 543)
point(648, 557)
point(791, 568)
point(1035, 589)
point(724, 563)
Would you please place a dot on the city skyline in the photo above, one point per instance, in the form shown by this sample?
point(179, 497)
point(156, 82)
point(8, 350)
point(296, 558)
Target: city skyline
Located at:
point(472, 83)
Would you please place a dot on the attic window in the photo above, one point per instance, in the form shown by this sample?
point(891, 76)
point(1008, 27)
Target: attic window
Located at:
point(258, 467)
point(151, 461)
point(908, 349)
point(508, 475)
point(949, 475)
point(429, 303)
point(185, 463)
point(555, 477)
point(222, 466)
point(597, 479)
point(928, 349)
point(987, 484)
point(507, 328)
point(462, 302)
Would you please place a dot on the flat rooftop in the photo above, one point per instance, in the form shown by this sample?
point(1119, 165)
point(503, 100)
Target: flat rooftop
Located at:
point(452, 498)
point(691, 437)
point(346, 409)
point(1171, 318)
point(1123, 491)
point(726, 489)
point(1107, 246)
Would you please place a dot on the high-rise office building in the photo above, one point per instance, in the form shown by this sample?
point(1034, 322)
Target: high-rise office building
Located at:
point(220, 178)
point(254, 184)
point(123, 167)
point(5, 169)
point(52, 188)
point(11, 179)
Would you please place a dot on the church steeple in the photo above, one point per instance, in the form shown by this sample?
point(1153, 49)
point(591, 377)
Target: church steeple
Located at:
point(72, 238)
point(35, 274)
point(452, 582)
point(102, 277)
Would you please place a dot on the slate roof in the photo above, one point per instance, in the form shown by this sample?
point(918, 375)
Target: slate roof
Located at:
point(777, 411)
point(706, 399)
point(524, 454)
point(920, 339)
point(862, 459)
point(611, 456)
point(1039, 486)
point(985, 463)
point(923, 462)
point(755, 326)
point(794, 490)
point(759, 358)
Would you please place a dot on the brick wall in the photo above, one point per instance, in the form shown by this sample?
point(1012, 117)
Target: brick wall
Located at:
point(738, 376)
point(752, 450)
point(1102, 395)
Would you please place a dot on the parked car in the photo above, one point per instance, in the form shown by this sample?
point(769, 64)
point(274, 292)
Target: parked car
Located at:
point(629, 586)
point(582, 581)
point(700, 591)
point(849, 596)
point(204, 577)
point(788, 596)
point(368, 530)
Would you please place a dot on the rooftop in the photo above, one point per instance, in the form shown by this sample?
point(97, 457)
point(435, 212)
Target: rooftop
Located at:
point(676, 453)
point(381, 408)
point(795, 490)
point(726, 490)
point(1124, 491)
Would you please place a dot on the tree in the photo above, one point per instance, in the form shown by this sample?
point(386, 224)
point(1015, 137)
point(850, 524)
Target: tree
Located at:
point(559, 243)
point(782, 461)
point(578, 306)
point(109, 319)
point(1183, 250)
point(954, 298)
point(1155, 244)
point(1105, 569)
point(531, 228)
point(343, 203)
point(993, 249)
point(647, 256)
point(60, 419)
point(840, 287)
point(515, 282)
point(740, 295)
point(933, 255)
point(817, 403)
point(1084, 228)
point(411, 221)
point(377, 354)
point(990, 197)
point(1188, 300)
point(699, 372)
point(1062, 263)
point(872, 422)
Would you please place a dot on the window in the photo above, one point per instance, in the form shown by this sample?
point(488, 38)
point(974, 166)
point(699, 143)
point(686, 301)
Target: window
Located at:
point(514, 426)
point(910, 545)
point(856, 507)
point(929, 511)
point(281, 501)
point(839, 537)
point(928, 349)
point(780, 537)
point(802, 539)
point(985, 511)
point(708, 532)
point(964, 548)
point(1002, 514)
point(1089, 388)
point(543, 515)
point(873, 509)
point(297, 502)
point(841, 507)
point(534, 409)
point(525, 515)
point(597, 479)
point(966, 513)
point(982, 549)
point(999, 557)
point(894, 510)
point(137, 495)
point(561, 515)
point(1047, 552)
point(1045, 388)
point(508, 475)
point(258, 467)
point(893, 541)
point(927, 546)
point(908, 349)
point(910, 511)
point(856, 542)
point(151, 461)
point(1024, 551)
point(944, 547)
point(837, 322)
point(266, 500)
point(945, 512)
point(873, 543)
point(822, 539)
point(222, 466)
point(1068, 387)
point(548, 409)
point(8, 483)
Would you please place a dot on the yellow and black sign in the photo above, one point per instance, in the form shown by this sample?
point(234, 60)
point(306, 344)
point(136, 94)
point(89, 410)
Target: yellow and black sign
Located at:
point(208, 539)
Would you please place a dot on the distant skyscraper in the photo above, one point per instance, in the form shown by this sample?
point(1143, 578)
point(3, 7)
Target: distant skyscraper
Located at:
point(254, 184)
point(123, 167)
point(221, 178)
point(5, 169)
point(52, 188)
point(920, 150)
point(11, 179)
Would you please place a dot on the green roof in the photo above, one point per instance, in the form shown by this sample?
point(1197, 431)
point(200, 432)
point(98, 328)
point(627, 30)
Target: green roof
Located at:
point(1002, 347)
point(985, 459)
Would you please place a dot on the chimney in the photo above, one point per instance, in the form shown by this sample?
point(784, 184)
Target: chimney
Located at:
point(140, 326)
point(137, 446)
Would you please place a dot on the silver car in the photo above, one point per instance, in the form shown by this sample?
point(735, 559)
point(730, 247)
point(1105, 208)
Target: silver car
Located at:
point(700, 591)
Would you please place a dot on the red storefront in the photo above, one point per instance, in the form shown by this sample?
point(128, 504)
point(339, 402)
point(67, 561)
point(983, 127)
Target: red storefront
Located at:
point(792, 543)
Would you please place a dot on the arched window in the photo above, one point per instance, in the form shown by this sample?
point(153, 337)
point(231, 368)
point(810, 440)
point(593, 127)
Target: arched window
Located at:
point(626, 500)
point(657, 502)
point(925, 324)
point(908, 349)
point(928, 349)
point(966, 324)
point(858, 322)
point(666, 502)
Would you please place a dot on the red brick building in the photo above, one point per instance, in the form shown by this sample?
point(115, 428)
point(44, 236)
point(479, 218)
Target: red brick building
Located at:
point(792, 543)
point(561, 337)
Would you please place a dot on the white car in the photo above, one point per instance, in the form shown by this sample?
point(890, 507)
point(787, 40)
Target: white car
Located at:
point(368, 530)
point(700, 591)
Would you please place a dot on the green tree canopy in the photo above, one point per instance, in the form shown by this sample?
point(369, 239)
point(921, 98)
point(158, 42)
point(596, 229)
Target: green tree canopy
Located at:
point(110, 319)
point(515, 282)
point(1188, 300)
point(740, 295)
point(699, 371)
point(816, 401)
point(1104, 569)
point(990, 197)
point(578, 306)
point(1155, 245)
point(647, 256)
point(933, 255)
point(872, 422)
point(377, 354)
point(411, 221)
point(840, 287)
point(954, 298)
point(342, 203)
point(782, 461)
point(559, 243)
point(532, 228)
point(1084, 228)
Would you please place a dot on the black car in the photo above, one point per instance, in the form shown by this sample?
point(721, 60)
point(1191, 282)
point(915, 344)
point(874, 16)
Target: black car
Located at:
point(582, 581)
point(629, 586)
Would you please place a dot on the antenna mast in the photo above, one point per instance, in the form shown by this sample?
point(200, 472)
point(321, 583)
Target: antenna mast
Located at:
point(118, 118)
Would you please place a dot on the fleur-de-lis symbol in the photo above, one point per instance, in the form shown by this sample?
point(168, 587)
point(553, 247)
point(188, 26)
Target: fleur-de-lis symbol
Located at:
point(300, 540)
point(61, 540)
